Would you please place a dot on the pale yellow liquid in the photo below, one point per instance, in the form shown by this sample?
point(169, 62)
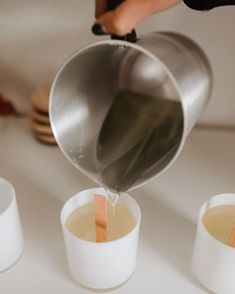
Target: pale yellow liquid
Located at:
point(81, 222)
point(219, 221)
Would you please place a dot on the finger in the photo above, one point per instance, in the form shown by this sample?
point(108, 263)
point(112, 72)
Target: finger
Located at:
point(100, 7)
point(130, 13)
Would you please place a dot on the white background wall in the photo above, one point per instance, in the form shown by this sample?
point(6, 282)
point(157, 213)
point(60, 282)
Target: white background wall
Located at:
point(36, 36)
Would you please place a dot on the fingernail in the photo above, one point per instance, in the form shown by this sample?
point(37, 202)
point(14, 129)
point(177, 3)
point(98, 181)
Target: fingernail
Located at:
point(97, 29)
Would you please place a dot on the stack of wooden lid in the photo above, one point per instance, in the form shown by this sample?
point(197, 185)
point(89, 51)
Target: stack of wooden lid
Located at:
point(40, 121)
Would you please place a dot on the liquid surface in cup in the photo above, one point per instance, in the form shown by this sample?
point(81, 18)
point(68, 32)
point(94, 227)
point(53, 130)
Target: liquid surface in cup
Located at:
point(81, 222)
point(219, 221)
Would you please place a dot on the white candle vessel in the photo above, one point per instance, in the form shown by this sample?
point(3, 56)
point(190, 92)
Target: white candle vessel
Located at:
point(100, 265)
point(11, 238)
point(213, 261)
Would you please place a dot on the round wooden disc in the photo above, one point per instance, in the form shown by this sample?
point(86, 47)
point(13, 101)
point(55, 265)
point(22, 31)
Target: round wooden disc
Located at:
point(40, 98)
point(41, 128)
point(39, 117)
point(46, 139)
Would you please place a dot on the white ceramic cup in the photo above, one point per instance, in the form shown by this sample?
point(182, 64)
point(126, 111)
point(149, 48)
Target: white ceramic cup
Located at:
point(213, 262)
point(100, 265)
point(11, 238)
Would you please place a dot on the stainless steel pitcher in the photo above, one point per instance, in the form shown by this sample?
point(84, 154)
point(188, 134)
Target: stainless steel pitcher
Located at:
point(121, 111)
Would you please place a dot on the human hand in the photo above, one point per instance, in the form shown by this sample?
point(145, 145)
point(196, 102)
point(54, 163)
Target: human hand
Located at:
point(127, 15)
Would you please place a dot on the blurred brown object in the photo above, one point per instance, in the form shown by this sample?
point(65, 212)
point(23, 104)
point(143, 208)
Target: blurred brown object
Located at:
point(46, 139)
point(40, 99)
point(39, 115)
point(6, 107)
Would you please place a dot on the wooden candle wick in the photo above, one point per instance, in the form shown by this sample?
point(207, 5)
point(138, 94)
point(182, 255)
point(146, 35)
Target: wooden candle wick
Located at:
point(101, 217)
point(232, 238)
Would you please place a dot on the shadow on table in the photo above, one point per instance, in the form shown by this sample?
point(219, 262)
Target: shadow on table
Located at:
point(171, 234)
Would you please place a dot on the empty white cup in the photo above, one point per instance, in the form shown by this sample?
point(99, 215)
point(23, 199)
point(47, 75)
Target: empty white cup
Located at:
point(213, 262)
point(11, 238)
point(100, 265)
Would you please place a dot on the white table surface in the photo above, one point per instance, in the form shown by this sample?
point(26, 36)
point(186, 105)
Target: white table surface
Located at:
point(44, 179)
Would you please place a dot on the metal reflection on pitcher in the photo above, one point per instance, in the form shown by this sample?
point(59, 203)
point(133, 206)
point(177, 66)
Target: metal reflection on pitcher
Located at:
point(141, 102)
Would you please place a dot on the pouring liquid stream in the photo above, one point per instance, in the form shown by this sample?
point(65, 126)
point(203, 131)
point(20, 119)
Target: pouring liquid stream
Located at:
point(112, 201)
point(140, 133)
